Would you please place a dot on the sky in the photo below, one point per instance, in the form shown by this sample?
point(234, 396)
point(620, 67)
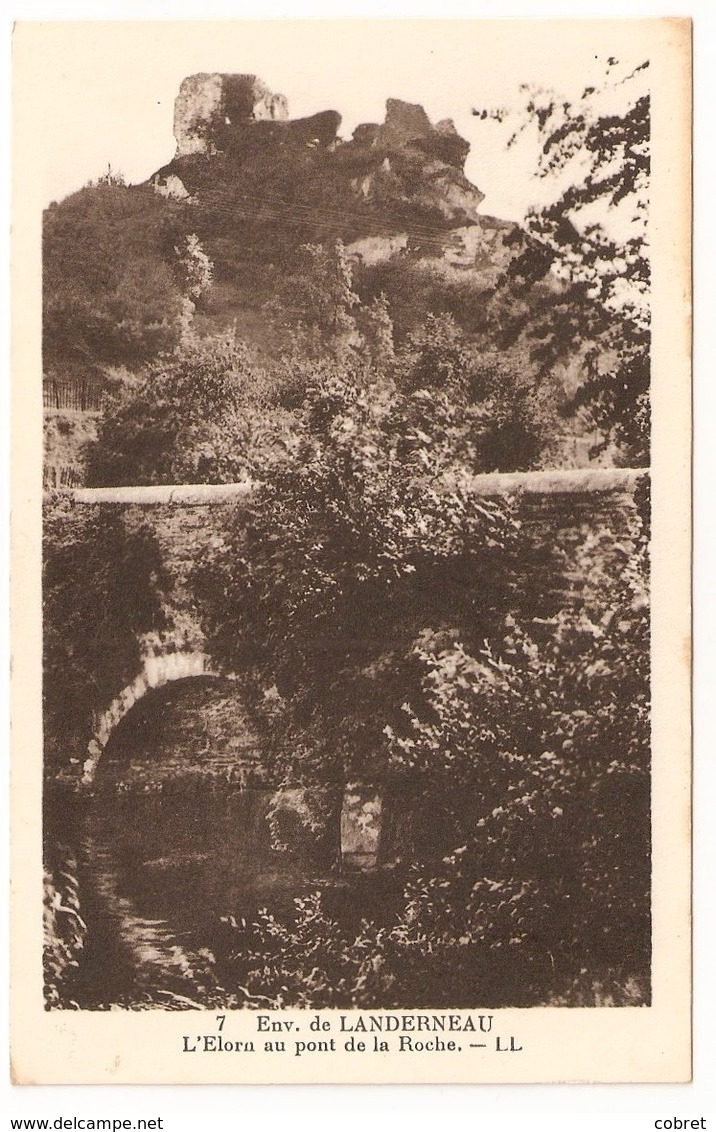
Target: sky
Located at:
point(106, 90)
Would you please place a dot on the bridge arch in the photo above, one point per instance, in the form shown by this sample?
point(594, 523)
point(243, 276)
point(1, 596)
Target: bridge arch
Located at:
point(360, 819)
point(161, 664)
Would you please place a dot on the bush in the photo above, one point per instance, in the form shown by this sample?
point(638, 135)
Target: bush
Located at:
point(206, 413)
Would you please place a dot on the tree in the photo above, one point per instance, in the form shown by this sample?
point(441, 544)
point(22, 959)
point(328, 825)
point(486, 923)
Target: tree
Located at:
point(195, 267)
point(319, 299)
point(110, 295)
point(580, 283)
point(346, 549)
point(376, 328)
point(548, 734)
point(519, 415)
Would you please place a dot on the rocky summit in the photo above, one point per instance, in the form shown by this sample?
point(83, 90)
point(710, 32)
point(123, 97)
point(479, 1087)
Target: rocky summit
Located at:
point(403, 177)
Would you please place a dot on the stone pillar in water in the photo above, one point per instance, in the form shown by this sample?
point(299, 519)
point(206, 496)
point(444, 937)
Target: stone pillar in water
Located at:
point(361, 825)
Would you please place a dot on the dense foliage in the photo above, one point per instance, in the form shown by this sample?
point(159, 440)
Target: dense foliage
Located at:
point(205, 413)
point(102, 587)
point(110, 293)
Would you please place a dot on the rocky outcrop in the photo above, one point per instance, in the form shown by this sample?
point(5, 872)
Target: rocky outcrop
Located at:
point(366, 134)
point(407, 125)
point(377, 249)
point(211, 110)
point(318, 129)
point(395, 188)
point(171, 188)
point(207, 102)
point(429, 159)
point(404, 122)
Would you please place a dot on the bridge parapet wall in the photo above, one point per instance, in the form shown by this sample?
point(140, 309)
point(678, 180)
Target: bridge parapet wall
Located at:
point(547, 481)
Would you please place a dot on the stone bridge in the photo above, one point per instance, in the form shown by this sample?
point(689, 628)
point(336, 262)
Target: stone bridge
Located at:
point(561, 496)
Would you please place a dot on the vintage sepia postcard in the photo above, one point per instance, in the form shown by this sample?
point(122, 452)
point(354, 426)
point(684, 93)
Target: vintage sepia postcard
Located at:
point(350, 552)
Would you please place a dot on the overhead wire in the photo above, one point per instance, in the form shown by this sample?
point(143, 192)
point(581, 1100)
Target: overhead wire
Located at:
point(341, 214)
point(268, 208)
